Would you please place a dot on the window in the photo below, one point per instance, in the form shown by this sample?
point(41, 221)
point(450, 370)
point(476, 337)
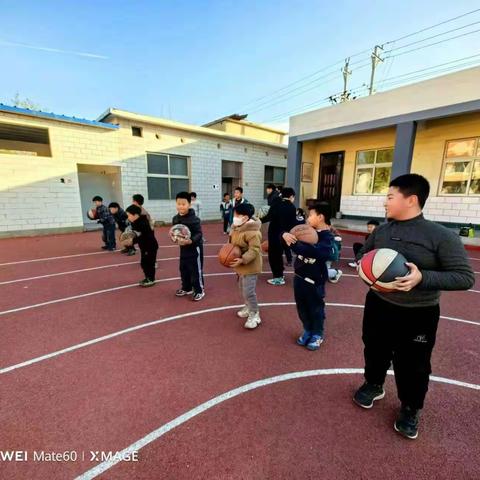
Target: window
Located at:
point(275, 175)
point(167, 175)
point(137, 132)
point(24, 140)
point(461, 170)
point(373, 169)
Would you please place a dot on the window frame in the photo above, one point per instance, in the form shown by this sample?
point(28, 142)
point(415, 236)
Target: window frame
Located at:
point(140, 129)
point(168, 176)
point(474, 158)
point(265, 182)
point(371, 166)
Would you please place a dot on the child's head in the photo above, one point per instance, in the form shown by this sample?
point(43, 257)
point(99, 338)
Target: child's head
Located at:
point(372, 225)
point(319, 215)
point(113, 207)
point(97, 200)
point(133, 213)
point(271, 188)
point(238, 193)
point(406, 196)
point(288, 194)
point(138, 199)
point(193, 196)
point(242, 213)
point(183, 200)
point(226, 196)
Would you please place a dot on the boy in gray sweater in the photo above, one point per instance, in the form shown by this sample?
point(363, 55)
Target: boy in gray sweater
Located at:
point(401, 326)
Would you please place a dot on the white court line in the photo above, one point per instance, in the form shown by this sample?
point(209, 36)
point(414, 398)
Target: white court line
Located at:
point(170, 319)
point(176, 422)
point(92, 253)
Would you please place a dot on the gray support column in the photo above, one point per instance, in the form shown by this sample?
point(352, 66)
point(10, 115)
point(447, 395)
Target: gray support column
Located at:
point(294, 164)
point(404, 143)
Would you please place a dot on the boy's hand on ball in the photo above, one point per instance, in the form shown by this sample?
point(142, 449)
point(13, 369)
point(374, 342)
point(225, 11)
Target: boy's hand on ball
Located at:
point(406, 283)
point(184, 241)
point(289, 238)
point(236, 262)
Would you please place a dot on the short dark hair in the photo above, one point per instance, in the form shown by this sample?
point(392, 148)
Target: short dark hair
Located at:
point(288, 192)
point(225, 194)
point(185, 196)
point(193, 194)
point(322, 208)
point(239, 189)
point(97, 198)
point(373, 222)
point(134, 210)
point(412, 184)
point(138, 198)
point(114, 205)
point(245, 209)
point(271, 186)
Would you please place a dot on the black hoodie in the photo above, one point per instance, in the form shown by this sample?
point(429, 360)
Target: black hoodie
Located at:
point(191, 221)
point(145, 236)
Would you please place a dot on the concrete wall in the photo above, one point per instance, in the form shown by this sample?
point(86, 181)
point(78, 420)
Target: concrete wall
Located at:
point(248, 130)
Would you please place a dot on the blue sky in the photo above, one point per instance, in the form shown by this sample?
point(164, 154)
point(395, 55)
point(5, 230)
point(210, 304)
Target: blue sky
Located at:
point(194, 61)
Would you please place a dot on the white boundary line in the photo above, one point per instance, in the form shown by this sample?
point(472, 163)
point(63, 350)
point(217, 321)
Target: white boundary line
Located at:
point(203, 407)
point(170, 319)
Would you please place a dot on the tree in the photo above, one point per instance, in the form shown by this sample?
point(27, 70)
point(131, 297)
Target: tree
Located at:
point(24, 103)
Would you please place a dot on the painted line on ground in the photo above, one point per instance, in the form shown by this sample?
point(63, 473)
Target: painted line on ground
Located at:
point(125, 331)
point(203, 407)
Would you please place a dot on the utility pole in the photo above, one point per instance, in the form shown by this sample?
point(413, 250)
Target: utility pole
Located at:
point(376, 59)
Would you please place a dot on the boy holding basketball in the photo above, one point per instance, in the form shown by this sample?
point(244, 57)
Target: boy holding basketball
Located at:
point(106, 219)
point(191, 250)
point(401, 326)
point(247, 236)
point(310, 276)
point(121, 219)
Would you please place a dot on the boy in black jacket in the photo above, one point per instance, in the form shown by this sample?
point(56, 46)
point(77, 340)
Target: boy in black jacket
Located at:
point(401, 326)
point(121, 218)
point(106, 219)
point(191, 250)
point(310, 276)
point(146, 242)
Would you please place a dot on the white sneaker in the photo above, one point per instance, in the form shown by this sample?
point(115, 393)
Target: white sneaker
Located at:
point(253, 321)
point(337, 277)
point(244, 312)
point(353, 264)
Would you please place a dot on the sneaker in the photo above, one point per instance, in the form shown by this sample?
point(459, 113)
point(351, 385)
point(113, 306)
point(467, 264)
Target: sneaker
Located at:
point(244, 312)
point(336, 278)
point(353, 264)
point(198, 296)
point(131, 252)
point(367, 394)
point(253, 321)
point(314, 342)
point(407, 422)
point(182, 293)
point(124, 250)
point(303, 340)
point(146, 282)
point(277, 281)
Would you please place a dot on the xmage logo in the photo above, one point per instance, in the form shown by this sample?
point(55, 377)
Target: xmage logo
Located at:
point(420, 339)
point(100, 456)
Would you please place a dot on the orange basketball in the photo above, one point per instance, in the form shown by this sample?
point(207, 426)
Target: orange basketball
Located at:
point(264, 246)
point(305, 233)
point(228, 253)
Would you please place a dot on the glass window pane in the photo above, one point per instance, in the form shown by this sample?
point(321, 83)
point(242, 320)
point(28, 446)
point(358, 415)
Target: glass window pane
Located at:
point(456, 177)
point(475, 183)
point(268, 174)
point(382, 179)
point(178, 166)
point(385, 156)
point(179, 185)
point(157, 188)
point(460, 148)
point(363, 180)
point(279, 176)
point(366, 157)
point(157, 164)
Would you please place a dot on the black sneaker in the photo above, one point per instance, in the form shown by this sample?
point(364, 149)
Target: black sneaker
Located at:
point(131, 252)
point(146, 282)
point(407, 422)
point(181, 293)
point(198, 296)
point(124, 250)
point(367, 394)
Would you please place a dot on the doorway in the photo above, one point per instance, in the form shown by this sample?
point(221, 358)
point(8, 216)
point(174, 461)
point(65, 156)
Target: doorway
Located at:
point(330, 179)
point(231, 176)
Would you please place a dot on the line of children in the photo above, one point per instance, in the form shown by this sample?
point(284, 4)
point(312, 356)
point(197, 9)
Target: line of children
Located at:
point(105, 218)
point(121, 218)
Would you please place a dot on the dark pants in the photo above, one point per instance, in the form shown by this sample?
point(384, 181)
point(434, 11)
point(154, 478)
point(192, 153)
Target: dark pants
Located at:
point(275, 256)
point(109, 235)
point(191, 271)
point(404, 336)
point(147, 262)
point(288, 253)
point(310, 305)
point(226, 222)
point(356, 248)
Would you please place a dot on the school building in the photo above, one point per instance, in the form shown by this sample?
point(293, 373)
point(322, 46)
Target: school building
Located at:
point(347, 153)
point(52, 165)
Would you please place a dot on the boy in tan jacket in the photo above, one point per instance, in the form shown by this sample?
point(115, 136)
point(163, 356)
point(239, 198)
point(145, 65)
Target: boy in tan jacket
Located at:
point(246, 234)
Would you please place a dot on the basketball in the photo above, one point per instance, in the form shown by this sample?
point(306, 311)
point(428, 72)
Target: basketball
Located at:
point(228, 253)
point(127, 237)
point(179, 231)
point(305, 233)
point(92, 214)
point(264, 246)
point(379, 268)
